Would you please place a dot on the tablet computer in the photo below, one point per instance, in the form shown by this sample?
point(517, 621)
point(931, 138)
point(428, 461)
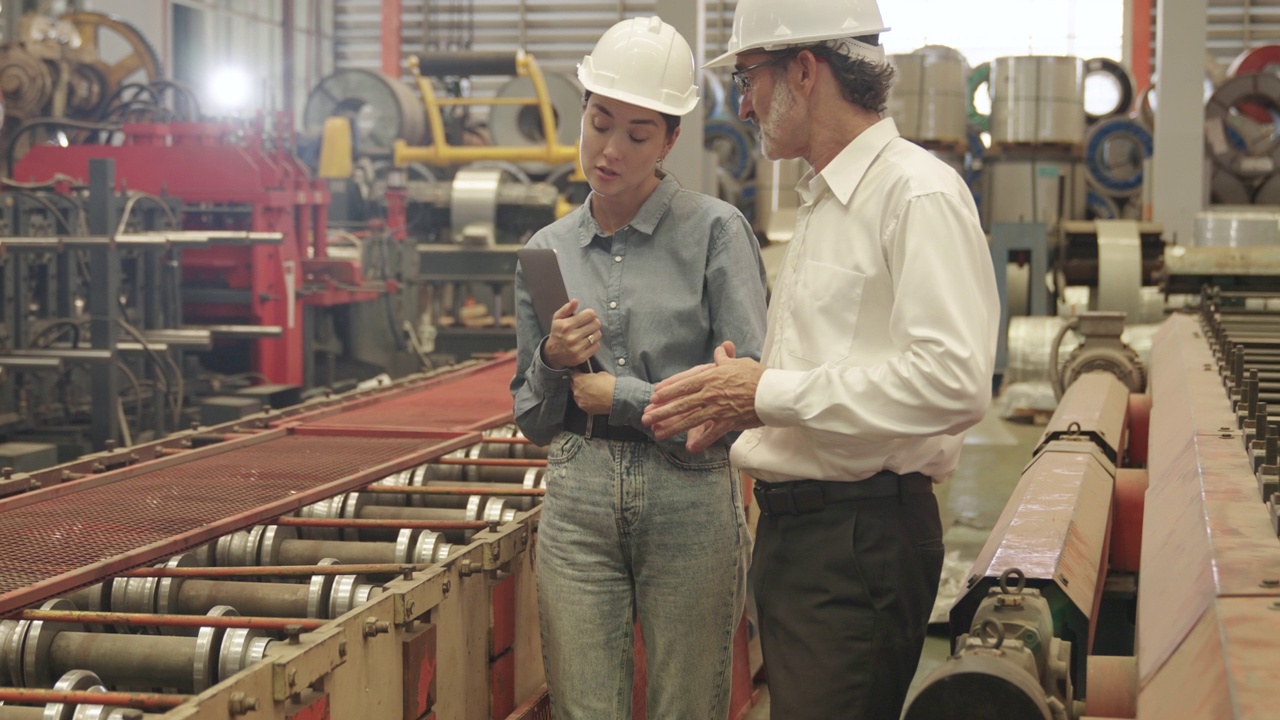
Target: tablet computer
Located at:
point(543, 280)
point(546, 288)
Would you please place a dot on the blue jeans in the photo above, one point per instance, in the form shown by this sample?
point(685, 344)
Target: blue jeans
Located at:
point(634, 530)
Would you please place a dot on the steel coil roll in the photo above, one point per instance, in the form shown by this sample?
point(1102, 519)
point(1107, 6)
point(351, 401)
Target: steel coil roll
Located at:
point(1237, 227)
point(1259, 159)
point(1115, 149)
point(1268, 193)
point(1108, 68)
point(981, 75)
point(730, 142)
point(1227, 189)
point(1100, 207)
point(928, 101)
point(1037, 99)
point(1265, 58)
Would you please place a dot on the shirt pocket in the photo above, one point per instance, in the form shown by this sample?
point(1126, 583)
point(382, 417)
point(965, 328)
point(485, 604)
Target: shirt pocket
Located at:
point(824, 312)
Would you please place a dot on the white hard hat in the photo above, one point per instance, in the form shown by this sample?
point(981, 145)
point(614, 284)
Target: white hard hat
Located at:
point(778, 24)
point(645, 62)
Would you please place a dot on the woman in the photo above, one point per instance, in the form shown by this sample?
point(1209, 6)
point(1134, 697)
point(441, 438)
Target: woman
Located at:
point(632, 529)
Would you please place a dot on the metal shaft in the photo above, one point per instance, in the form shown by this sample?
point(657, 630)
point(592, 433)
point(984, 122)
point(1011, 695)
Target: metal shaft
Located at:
point(310, 552)
point(130, 660)
point(198, 597)
point(21, 712)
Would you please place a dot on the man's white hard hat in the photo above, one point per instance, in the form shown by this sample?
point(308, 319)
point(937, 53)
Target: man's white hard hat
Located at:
point(778, 24)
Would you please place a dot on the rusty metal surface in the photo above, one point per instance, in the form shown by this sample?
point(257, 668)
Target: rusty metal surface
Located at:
point(1209, 630)
point(145, 701)
point(1187, 393)
point(1054, 527)
point(54, 540)
point(158, 620)
point(1224, 669)
point(477, 400)
point(1095, 405)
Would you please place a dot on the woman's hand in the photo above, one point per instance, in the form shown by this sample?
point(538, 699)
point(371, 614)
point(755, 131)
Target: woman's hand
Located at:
point(593, 392)
point(574, 337)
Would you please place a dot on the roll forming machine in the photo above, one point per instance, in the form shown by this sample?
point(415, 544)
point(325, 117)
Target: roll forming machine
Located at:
point(360, 555)
point(1135, 572)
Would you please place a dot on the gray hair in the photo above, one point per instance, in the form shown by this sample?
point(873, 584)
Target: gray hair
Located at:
point(863, 82)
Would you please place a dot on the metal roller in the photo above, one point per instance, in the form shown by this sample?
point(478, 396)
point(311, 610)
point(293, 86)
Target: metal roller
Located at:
point(52, 649)
point(464, 63)
point(292, 551)
point(72, 681)
point(382, 108)
point(432, 547)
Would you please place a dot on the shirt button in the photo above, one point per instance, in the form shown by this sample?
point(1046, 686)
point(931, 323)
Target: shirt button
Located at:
point(617, 258)
point(622, 361)
point(613, 305)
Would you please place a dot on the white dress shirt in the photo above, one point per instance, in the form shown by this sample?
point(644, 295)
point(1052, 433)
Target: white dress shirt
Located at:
point(882, 328)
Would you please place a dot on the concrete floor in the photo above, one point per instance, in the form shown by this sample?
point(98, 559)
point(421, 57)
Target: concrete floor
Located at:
point(995, 453)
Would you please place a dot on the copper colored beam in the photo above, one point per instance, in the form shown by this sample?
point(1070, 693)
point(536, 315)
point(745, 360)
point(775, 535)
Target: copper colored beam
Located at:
point(154, 620)
point(492, 462)
point(277, 570)
point(376, 524)
point(452, 490)
point(144, 701)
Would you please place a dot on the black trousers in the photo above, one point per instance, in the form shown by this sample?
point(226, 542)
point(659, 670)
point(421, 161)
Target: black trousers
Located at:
point(844, 596)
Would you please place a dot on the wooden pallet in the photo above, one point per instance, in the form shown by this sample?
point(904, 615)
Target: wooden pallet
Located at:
point(1022, 149)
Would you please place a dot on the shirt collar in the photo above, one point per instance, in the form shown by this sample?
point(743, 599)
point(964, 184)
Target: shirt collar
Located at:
point(846, 169)
point(646, 219)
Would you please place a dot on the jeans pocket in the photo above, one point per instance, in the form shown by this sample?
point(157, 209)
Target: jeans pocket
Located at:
point(563, 447)
point(713, 458)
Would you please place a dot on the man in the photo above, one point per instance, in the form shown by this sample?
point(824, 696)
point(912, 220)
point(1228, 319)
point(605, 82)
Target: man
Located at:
point(879, 355)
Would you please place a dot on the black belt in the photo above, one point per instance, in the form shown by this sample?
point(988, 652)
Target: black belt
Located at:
point(575, 421)
point(801, 497)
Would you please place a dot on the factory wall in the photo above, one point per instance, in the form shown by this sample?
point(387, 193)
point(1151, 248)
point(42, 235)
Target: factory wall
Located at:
point(196, 39)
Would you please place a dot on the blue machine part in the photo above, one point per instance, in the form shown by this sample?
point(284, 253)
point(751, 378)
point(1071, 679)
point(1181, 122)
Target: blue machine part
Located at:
point(1101, 207)
point(728, 140)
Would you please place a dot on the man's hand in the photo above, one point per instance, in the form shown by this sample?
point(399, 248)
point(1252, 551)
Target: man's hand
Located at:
point(707, 400)
point(573, 339)
point(593, 392)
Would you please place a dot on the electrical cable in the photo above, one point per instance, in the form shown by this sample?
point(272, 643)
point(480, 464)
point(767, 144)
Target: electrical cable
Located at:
point(34, 123)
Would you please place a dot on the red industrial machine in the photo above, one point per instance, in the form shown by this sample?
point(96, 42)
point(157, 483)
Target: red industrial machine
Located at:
point(234, 177)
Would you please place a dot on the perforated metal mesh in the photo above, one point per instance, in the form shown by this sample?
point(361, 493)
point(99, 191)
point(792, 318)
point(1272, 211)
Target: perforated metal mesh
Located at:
point(474, 402)
point(135, 520)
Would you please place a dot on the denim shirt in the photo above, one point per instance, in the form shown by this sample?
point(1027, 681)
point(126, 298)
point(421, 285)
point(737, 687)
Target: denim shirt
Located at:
point(683, 277)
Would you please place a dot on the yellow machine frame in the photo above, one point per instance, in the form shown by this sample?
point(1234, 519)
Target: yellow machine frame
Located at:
point(440, 152)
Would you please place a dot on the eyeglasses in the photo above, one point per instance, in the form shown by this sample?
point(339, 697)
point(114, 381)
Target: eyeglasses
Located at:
point(740, 76)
